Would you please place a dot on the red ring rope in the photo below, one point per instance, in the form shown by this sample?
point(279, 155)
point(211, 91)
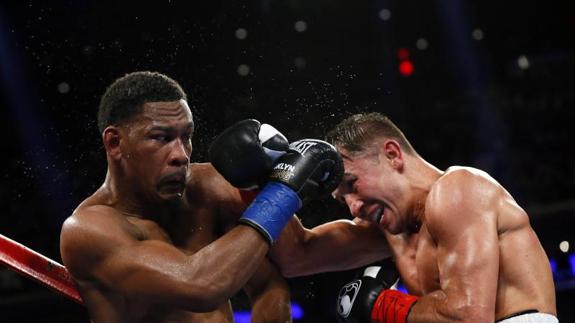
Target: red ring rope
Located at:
point(39, 268)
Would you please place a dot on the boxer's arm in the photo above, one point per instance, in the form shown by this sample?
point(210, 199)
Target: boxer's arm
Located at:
point(96, 245)
point(269, 295)
point(267, 289)
point(461, 218)
point(333, 246)
point(404, 247)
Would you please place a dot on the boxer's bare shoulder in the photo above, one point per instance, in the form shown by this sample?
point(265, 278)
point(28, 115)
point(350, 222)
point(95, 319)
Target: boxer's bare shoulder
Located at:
point(462, 187)
point(90, 234)
point(204, 179)
point(206, 188)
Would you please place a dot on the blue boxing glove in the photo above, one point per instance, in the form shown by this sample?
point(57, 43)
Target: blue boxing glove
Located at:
point(309, 168)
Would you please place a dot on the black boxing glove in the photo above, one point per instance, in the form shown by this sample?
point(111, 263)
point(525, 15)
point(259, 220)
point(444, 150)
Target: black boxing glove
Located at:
point(369, 299)
point(245, 153)
point(310, 167)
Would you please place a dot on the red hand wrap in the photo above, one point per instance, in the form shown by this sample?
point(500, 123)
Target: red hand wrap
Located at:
point(392, 306)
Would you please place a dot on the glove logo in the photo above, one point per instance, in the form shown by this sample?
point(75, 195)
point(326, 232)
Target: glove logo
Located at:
point(286, 167)
point(302, 146)
point(346, 297)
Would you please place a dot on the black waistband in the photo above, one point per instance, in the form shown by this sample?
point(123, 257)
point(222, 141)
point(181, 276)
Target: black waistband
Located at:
point(518, 314)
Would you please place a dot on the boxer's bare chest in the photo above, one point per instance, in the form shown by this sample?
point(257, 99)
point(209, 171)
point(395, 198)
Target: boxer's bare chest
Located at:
point(426, 262)
point(190, 231)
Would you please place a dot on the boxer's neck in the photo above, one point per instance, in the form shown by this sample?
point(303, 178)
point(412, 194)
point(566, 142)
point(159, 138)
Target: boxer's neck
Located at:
point(131, 202)
point(422, 175)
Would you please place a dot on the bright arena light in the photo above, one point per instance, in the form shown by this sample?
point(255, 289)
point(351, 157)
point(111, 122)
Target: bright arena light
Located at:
point(564, 246)
point(300, 26)
point(477, 34)
point(422, 44)
point(63, 87)
point(406, 68)
point(523, 63)
point(241, 33)
point(243, 70)
point(384, 14)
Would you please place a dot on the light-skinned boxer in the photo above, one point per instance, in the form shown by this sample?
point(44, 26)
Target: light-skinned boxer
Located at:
point(462, 245)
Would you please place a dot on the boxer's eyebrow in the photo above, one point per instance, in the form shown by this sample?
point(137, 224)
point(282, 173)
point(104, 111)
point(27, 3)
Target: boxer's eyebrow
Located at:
point(161, 128)
point(347, 174)
point(189, 126)
point(341, 190)
point(347, 177)
point(345, 187)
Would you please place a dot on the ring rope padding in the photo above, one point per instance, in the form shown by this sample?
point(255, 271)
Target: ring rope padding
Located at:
point(39, 268)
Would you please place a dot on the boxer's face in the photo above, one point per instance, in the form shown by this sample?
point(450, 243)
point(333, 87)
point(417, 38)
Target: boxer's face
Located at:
point(371, 188)
point(158, 149)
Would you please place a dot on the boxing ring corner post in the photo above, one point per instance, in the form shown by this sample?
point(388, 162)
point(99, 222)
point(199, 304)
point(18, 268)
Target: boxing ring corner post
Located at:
point(39, 268)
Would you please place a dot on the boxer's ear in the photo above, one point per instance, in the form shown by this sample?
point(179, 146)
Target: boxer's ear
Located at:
point(111, 138)
point(390, 149)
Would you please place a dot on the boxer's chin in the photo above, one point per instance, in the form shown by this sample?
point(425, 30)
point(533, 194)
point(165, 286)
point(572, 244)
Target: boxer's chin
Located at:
point(393, 230)
point(171, 192)
point(391, 226)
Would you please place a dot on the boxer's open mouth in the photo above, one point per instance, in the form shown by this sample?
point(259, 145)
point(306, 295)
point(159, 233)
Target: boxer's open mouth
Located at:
point(377, 215)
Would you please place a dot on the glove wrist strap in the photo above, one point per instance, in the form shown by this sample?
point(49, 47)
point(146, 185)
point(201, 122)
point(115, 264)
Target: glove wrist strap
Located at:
point(271, 210)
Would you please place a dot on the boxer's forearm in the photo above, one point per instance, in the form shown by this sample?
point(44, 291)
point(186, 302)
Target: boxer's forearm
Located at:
point(439, 307)
point(403, 247)
point(225, 265)
point(333, 246)
point(289, 252)
point(271, 306)
point(269, 295)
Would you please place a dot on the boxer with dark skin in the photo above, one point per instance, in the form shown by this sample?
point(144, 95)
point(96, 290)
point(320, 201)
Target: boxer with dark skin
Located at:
point(158, 241)
point(460, 241)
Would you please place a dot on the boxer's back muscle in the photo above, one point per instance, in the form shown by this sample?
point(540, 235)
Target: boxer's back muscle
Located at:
point(524, 280)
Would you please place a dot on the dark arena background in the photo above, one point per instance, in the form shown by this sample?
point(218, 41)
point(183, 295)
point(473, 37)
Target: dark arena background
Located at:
point(488, 84)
